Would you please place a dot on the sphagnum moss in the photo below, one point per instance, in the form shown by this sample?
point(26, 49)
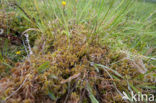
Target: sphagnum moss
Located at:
point(66, 73)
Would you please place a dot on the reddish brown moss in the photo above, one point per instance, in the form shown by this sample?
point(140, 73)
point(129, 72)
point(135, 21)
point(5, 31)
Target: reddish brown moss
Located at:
point(65, 73)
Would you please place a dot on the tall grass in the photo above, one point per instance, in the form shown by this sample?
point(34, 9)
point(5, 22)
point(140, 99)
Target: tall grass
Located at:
point(122, 23)
point(97, 15)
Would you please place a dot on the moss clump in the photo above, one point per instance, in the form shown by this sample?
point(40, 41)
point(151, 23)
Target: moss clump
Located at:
point(64, 74)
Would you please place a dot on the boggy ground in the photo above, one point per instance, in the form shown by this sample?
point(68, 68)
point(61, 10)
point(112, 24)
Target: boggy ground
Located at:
point(71, 71)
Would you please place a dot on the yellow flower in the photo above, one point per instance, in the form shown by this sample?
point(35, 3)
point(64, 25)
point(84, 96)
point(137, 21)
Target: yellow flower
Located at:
point(63, 3)
point(18, 52)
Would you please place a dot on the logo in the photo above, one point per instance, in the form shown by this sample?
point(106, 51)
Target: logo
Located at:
point(138, 97)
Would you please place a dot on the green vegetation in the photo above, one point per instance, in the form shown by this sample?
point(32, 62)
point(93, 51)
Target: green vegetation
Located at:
point(76, 51)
